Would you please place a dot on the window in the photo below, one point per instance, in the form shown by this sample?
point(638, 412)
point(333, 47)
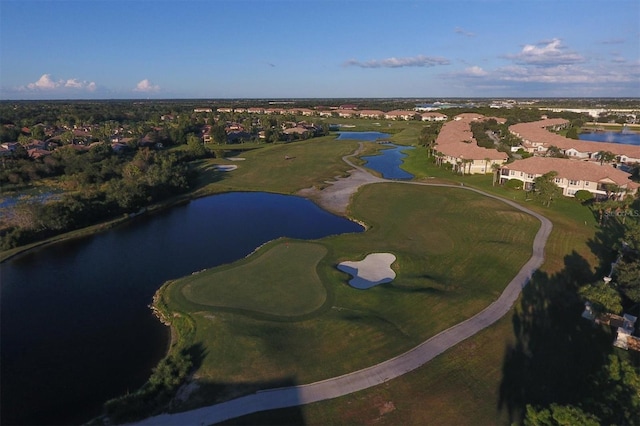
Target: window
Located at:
point(529, 176)
point(586, 183)
point(513, 172)
point(573, 182)
point(558, 180)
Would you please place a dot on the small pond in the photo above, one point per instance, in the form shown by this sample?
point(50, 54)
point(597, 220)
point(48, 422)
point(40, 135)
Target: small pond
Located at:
point(75, 324)
point(363, 136)
point(388, 162)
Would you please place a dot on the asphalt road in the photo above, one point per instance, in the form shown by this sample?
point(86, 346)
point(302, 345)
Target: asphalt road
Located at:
point(387, 370)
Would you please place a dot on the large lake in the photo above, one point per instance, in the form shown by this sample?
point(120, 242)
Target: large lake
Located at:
point(75, 324)
point(626, 137)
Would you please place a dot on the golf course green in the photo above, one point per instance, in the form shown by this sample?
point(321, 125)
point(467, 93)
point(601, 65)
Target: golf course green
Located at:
point(287, 312)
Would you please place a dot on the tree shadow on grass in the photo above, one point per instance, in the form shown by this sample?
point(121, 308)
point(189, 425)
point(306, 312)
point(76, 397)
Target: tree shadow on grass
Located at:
point(210, 174)
point(209, 393)
point(556, 350)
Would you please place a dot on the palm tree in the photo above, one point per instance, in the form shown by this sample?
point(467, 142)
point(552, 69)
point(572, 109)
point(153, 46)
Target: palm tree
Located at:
point(496, 170)
point(606, 157)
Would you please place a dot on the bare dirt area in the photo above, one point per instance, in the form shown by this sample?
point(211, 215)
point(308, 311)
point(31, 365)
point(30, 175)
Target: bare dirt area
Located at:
point(336, 197)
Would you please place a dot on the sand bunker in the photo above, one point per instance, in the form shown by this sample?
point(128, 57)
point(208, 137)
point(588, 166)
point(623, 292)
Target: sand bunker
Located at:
point(225, 167)
point(372, 270)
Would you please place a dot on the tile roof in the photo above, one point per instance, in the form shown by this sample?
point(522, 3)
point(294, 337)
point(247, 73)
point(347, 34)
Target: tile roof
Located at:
point(572, 169)
point(456, 140)
point(537, 132)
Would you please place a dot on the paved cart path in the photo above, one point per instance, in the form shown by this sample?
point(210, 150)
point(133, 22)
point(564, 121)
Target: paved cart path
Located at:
point(386, 370)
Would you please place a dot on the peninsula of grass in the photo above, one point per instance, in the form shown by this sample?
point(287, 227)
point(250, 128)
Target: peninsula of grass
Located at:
point(280, 281)
point(456, 250)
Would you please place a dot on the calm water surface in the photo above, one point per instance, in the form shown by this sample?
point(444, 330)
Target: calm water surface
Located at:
point(75, 324)
point(363, 136)
point(388, 162)
point(628, 138)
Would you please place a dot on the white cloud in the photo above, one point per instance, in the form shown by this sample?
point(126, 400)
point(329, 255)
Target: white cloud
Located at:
point(44, 83)
point(415, 61)
point(146, 86)
point(546, 53)
point(47, 83)
point(475, 71)
point(461, 31)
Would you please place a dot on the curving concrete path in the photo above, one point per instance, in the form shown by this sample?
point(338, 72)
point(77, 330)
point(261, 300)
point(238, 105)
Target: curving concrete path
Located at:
point(372, 376)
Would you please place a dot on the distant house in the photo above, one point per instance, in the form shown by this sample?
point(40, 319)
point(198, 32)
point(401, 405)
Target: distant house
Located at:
point(36, 153)
point(202, 110)
point(225, 109)
point(10, 146)
point(371, 113)
point(400, 115)
point(346, 113)
point(537, 139)
point(572, 176)
point(433, 116)
point(298, 130)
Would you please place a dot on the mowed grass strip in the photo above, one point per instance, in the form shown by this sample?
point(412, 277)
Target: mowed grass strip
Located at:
point(281, 281)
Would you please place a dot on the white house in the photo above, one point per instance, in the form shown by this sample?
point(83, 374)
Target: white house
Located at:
point(572, 176)
point(433, 116)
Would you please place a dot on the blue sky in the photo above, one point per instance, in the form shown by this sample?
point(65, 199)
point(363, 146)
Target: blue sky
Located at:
point(96, 49)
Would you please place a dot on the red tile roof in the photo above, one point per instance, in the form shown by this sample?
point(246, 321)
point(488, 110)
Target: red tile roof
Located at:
point(572, 169)
point(537, 132)
point(456, 140)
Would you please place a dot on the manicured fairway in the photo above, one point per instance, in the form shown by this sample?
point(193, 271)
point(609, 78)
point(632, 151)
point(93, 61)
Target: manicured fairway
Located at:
point(282, 281)
point(456, 251)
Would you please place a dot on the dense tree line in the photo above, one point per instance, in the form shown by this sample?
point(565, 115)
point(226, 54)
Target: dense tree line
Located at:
point(100, 185)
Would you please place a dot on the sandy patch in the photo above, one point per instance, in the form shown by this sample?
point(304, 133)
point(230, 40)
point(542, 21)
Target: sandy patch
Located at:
point(225, 167)
point(372, 270)
point(236, 158)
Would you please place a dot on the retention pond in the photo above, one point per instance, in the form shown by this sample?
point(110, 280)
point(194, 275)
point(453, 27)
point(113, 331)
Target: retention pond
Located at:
point(75, 324)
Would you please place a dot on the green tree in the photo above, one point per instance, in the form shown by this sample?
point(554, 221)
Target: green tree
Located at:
point(572, 133)
point(627, 270)
point(606, 157)
point(559, 415)
point(545, 189)
point(218, 134)
point(603, 296)
point(196, 147)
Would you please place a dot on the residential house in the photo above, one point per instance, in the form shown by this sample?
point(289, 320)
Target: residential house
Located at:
point(371, 113)
point(346, 113)
point(537, 139)
point(36, 153)
point(202, 110)
point(400, 115)
point(433, 116)
point(571, 176)
point(456, 145)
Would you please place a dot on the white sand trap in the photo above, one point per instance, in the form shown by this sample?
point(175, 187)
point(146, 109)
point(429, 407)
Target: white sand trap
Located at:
point(372, 270)
point(225, 167)
point(236, 158)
